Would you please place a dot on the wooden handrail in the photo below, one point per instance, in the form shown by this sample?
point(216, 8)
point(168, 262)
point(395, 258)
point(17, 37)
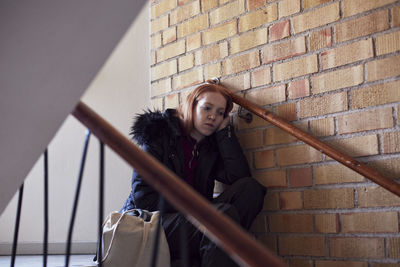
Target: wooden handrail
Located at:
point(238, 244)
point(346, 160)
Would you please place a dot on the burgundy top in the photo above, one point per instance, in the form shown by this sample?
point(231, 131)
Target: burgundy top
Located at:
point(191, 153)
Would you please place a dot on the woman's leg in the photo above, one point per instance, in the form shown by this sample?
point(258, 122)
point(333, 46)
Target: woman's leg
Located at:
point(242, 201)
point(247, 196)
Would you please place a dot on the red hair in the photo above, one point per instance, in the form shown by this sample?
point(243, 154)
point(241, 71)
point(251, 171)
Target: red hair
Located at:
point(188, 105)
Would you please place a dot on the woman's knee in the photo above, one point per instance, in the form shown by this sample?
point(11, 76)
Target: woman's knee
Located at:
point(251, 187)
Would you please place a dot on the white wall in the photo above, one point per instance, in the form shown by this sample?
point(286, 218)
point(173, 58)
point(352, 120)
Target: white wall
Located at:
point(120, 90)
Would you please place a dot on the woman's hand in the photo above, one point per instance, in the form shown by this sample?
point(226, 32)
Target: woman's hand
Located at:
point(224, 123)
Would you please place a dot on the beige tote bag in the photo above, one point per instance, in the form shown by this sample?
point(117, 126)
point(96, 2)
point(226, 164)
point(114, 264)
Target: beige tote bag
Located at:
point(128, 240)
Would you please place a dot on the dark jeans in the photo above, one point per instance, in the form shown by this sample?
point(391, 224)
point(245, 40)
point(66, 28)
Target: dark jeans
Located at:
point(242, 201)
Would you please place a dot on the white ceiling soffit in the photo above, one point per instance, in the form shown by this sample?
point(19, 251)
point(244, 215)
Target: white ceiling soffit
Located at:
point(49, 53)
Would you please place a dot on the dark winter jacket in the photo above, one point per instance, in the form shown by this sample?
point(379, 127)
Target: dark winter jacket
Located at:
point(220, 157)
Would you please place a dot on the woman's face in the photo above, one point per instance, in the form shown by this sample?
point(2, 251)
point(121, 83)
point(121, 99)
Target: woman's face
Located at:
point(208, 114)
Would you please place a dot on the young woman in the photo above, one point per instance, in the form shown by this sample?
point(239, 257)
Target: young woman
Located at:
point(199, 145)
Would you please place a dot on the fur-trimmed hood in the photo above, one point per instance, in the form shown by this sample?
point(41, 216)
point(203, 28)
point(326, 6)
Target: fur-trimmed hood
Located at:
point(150, 125)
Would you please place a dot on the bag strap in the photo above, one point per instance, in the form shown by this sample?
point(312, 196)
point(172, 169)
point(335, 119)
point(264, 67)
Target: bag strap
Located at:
point(145, 234)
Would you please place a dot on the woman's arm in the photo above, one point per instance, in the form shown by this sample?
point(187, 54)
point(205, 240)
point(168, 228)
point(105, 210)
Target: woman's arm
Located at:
point(232, 164)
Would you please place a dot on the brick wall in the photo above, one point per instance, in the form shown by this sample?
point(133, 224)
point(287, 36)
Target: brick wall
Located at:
point(332, 67)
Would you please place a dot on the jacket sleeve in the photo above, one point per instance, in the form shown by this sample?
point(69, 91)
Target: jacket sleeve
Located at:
point(232, 164)
point(143, 195)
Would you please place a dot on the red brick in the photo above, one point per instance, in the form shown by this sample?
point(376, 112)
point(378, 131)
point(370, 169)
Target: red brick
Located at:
point(291, 200)
point(264, 159)
point(237, 83)
point(315, 18)
point(208, 4)
point(248, 40)
point(352, 7)
point(366, 25)
point(162, 7)
point(338, 79)
point(347, 54)
point(159, 24)
point(336, 263)
point(327, 223)
point(279, 31)
point(251, 139)
point(287, 111)
point(396, 16)
point(271, 201)
point(291, 223)
point(300, 177)
point(283, 50)
point(371, 222)
point(257, 18)
point(163, 70)
point(276, 136)
point(274, 178)
point(389, 167)
point(375, 95)
point(226, 12)
point(295, 68)
point(335, 174)
point(214, 70)
point(193, 42)
point(185, 12)
point(376, 196)
point(171, 50)
point(365, 145)
point(267, 95)
point(313, 3)
point(254, 4)
point(301, 246)
point(383, 68)
point(185, 62)
point(161, 87)
point(301, 263)
point(169, 35)
point(341, 198)
point(261, 77)
point(323, 127)
point(188, 79)
point(357, 247)
point(172, 101)
point(323, 105)
point(242, 62)
point(192, 25)
point(255, 123)
point(296, 155)
point(394, 248)
point(320, 39)
point(299, 88)
point(288, 7)
point(211, 53)
point(391, 142)
point(365, 120)
point(388, 43)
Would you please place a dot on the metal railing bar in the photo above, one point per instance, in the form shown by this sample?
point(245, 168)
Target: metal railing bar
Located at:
point(101, 204)
point(75, 205)
point(17, 223)
point(227, 234)
point(307, 138)
point(46, 207)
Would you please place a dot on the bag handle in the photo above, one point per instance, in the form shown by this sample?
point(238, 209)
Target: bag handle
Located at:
point(145, 234)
